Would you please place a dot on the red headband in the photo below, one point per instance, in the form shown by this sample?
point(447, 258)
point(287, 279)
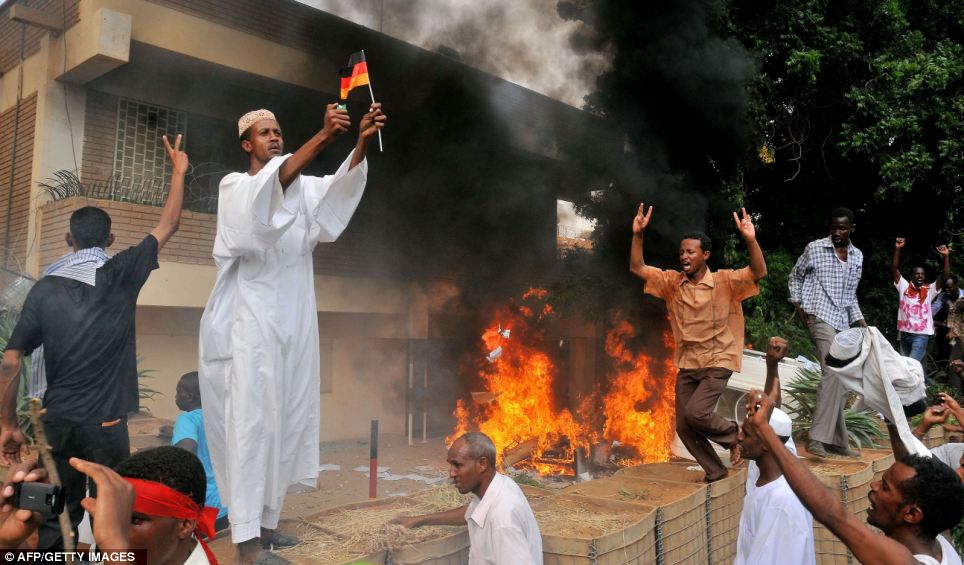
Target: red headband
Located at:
point(155, 499)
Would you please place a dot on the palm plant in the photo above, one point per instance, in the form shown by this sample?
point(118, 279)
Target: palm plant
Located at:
point(862, 425)
point(144, 392)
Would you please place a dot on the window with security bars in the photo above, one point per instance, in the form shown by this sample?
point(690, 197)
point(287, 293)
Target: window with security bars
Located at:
point(141, 168)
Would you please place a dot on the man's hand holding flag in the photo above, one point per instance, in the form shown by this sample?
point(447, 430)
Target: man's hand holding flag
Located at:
point(355, 75)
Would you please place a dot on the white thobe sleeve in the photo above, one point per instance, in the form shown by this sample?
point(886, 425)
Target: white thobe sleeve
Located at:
point(254, 211)
point(331, 201)
point(780, 534)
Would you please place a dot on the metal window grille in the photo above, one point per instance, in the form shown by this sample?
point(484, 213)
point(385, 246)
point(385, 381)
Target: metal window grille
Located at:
point(139, 155)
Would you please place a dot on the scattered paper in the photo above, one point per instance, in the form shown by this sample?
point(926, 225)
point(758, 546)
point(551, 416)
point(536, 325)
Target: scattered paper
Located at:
point(366, 469)
point(328, 467)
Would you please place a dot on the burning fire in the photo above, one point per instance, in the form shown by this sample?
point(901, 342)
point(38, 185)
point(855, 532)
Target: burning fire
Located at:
point(518, 409)
point(640, 409)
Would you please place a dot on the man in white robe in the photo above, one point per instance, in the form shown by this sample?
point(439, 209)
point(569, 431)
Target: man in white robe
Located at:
point(866, 364)
point(259, 358)
point(774, 525)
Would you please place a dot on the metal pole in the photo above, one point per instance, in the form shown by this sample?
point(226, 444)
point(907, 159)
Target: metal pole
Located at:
point(411, 388)
point(425, 403)
point(373, 465)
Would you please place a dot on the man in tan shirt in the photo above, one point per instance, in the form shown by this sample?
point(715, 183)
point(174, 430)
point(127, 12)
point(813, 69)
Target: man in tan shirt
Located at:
point(707, 321)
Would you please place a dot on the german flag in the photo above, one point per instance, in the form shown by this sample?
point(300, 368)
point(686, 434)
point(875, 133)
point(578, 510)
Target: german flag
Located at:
point(355, 74)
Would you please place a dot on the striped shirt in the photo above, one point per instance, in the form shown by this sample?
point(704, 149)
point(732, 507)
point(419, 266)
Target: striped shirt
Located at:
point(826, 287)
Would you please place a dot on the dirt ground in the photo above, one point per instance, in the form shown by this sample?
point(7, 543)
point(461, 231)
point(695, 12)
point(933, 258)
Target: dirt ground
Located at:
point(346, 485)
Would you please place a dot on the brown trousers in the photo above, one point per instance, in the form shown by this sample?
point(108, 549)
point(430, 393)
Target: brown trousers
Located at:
point(697, 422)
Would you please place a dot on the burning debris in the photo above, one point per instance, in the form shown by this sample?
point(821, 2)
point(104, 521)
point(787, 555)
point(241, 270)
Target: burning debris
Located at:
point(629, 420)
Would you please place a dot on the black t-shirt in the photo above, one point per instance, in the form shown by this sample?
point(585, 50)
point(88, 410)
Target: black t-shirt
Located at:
point(88, 338)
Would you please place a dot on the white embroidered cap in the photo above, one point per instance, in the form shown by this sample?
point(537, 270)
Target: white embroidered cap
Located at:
point(781, 423)
point(252, 118)
point(847, 344)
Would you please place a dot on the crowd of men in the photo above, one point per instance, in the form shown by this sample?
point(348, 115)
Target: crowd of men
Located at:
point(258, 360)
point(233, 465)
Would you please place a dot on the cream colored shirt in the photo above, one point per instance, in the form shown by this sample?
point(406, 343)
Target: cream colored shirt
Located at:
point(706, 317)
point(502, 527)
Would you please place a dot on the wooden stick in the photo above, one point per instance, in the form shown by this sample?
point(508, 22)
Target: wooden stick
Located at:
point(36, 412)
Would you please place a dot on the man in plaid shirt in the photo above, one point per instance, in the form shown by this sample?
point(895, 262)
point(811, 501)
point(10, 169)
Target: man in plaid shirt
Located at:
point(823, 290)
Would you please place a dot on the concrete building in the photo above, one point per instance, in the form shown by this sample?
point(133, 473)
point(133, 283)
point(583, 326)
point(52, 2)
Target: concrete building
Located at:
point(86, 107)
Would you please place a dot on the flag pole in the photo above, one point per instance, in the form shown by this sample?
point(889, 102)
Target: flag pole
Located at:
point(372, 93)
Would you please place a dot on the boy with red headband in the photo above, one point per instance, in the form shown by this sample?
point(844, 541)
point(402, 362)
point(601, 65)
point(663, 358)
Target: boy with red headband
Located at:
point(169, 517)
point(153, 501)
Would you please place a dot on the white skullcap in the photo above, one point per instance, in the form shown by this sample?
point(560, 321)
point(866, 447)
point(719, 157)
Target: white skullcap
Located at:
point(847, 344)
point(781, 423)
point(252, 118)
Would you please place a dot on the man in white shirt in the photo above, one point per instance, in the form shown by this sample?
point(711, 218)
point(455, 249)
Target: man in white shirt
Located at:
point(915, 323)
point(774, 525)
point(916, 499)
point(502, 527)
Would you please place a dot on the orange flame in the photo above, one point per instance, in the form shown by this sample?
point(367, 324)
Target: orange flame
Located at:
point(461, 422)
point(640, 409)
point(639, 406)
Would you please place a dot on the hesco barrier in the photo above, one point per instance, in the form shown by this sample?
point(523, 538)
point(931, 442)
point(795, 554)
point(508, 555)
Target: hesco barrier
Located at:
point(449, 550)
point(452, 549)
point(723, 526)
point(722, 507)
point(851, 480)
point(681, 510)
point(934, 437)
point(666, 515)
point(880, 460)
point(633, 544)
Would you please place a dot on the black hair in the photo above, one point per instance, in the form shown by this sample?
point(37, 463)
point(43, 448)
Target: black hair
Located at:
point(706, 244)
point(90, 227)
point(246, 135)
point(190, 379)
point(842, 212)
point(937, 490)
point(171, 466)
point(915, 408)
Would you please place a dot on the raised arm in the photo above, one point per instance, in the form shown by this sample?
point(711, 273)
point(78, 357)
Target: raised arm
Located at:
point(171, 214)
point(636, 262)
point(945, 252)
point(371, 123)
point(895, 264)
point(11, 438)
point(820, 500)
point(758, 265)
point(336, 122)
point(776, 351)
point(453, 517)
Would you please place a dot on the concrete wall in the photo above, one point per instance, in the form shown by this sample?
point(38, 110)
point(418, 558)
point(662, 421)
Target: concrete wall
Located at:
point(364, 369)
point(15, 196)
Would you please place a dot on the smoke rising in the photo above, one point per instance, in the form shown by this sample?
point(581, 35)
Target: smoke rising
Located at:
point(523, 42)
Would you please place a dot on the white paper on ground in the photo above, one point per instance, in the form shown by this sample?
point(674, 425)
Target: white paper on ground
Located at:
point(328, 467)
point(365, 469)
